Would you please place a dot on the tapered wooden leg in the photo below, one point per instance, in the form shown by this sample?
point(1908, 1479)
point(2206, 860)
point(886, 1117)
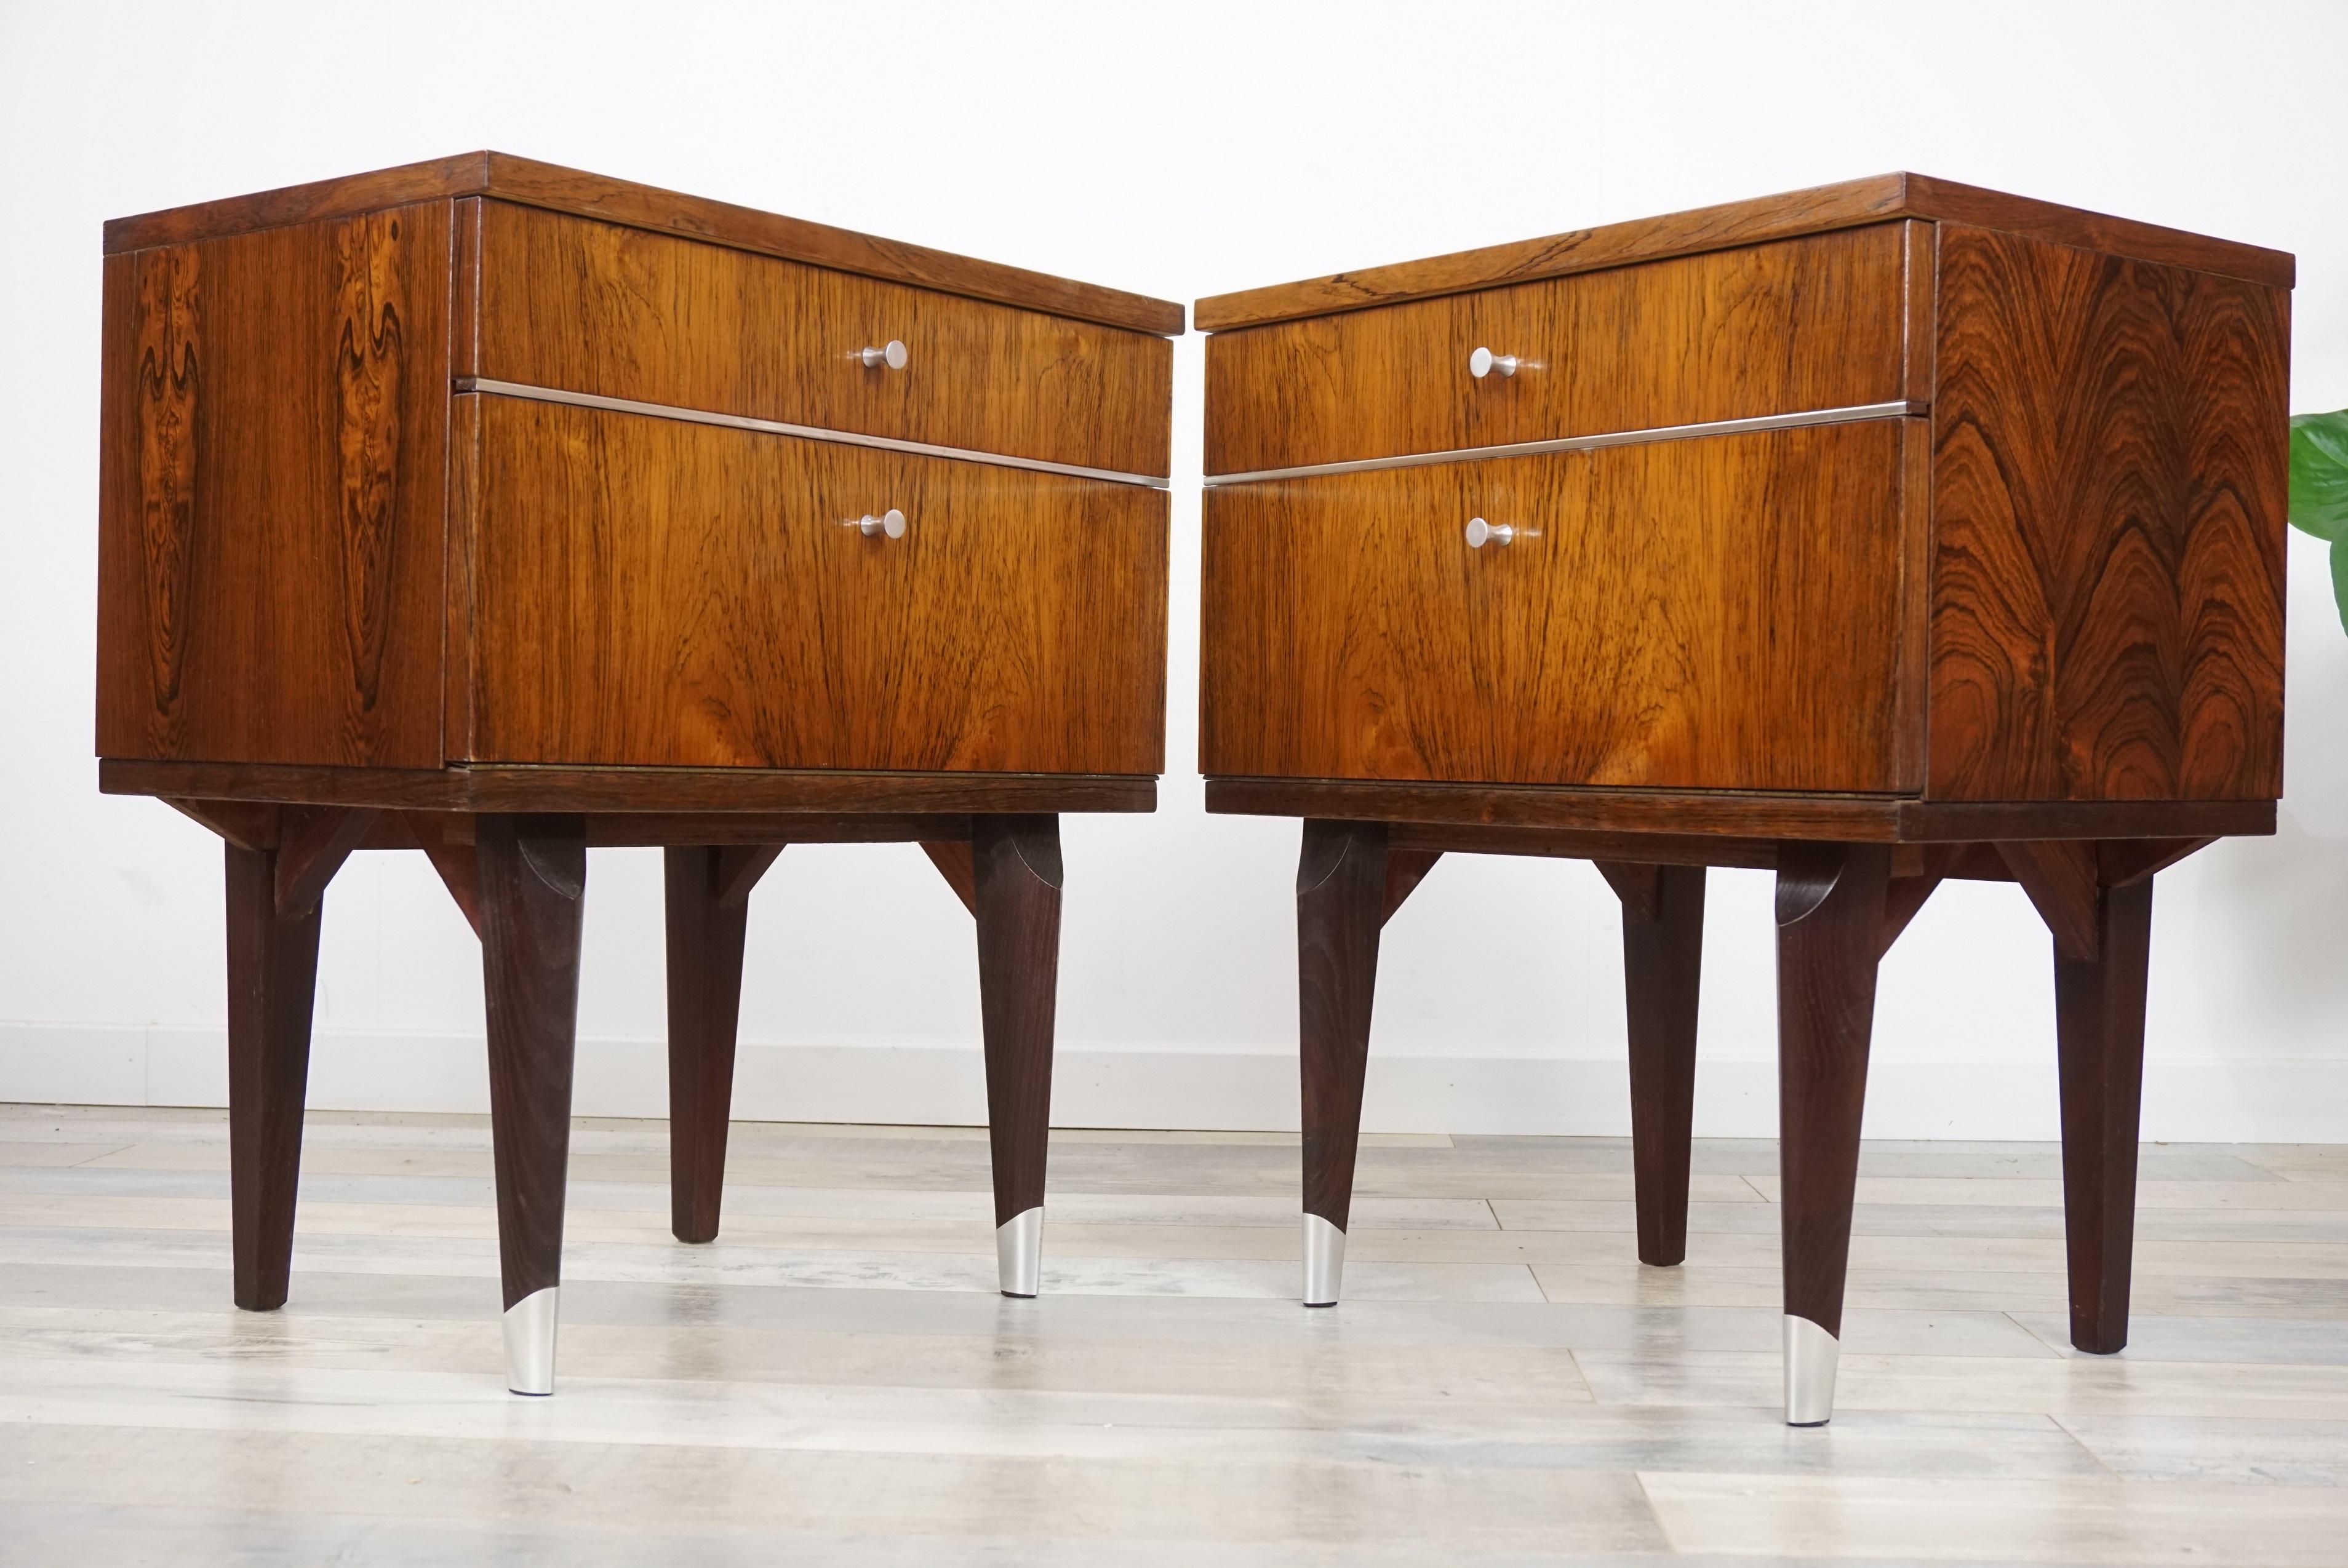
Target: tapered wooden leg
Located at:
point(273, 977)
point(1830, 906)
point(1662, 966)
point(1341, 901)
point(534, 878)
point(2099, 1034)
point(708, 896)
point(1016, 893)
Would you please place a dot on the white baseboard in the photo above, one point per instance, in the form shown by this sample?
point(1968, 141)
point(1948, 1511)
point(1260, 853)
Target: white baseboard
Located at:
point(2253, 1101)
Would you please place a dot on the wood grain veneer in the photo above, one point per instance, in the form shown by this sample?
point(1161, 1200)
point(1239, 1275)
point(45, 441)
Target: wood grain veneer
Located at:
point(1819, 209)
point(2091, 549)
point(293, 493)
point(1629, 348)
point(618, 311)
point(547, 185)
point(2108, 479)
point(273, 418)
point(1722, 612)
point(653, 592)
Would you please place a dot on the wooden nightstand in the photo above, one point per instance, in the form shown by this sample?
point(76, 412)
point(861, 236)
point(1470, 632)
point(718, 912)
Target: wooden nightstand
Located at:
point(497, 510)
point(1877, 534)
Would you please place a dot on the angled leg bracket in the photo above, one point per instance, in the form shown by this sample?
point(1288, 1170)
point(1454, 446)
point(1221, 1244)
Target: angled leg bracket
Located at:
point(1405, 869)
point(2061, 877)
point(951, 856)
point(313, 843)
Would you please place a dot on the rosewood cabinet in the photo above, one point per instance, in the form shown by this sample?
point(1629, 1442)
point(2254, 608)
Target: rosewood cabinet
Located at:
point(1875, 535)
point(500, 510)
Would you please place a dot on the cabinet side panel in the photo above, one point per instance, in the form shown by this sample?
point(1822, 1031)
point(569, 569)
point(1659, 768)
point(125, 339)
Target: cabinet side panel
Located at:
point(274, 474)
point(127, 659)
point(2109, 475)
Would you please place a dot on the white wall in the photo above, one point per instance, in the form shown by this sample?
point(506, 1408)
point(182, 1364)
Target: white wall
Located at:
point(1178, 152)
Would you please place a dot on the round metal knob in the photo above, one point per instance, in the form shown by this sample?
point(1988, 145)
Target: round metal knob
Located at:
point(1484, 361)
point(891, 522)
point(1480, 533)
point(892, 354)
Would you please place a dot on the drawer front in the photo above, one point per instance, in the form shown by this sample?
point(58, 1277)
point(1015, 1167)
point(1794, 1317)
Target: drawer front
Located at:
point(580, 306)
point(1784, 328)
point(655, 592)
point(1717, 613)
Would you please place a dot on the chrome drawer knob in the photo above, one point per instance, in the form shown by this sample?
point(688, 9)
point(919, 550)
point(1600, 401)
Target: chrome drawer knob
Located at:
point(1480, 533)
point(1484, 361)
point(891, 522)
point(892, 354)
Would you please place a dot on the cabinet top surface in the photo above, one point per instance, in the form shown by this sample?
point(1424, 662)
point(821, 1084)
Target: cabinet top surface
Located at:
point(547, 185)
point(1875, 200)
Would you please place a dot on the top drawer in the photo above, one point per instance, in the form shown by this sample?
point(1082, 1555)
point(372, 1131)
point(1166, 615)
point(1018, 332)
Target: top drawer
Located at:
point(577, 305)
point(1787, 327)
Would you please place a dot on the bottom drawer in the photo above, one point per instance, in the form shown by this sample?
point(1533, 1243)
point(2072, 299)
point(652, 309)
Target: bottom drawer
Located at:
point(651, 592)
point(1726, 612)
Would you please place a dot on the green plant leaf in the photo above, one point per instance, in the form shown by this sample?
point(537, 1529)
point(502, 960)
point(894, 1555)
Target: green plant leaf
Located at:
point(2318, 476)
point(2340, 578)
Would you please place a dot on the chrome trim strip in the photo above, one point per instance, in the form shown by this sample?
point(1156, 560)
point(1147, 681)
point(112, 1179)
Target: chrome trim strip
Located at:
point(1583, 443)
point(803, 432)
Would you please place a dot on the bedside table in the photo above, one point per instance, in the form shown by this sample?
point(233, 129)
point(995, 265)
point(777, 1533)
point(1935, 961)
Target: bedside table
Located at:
point(500, 510)
point(1876, 535)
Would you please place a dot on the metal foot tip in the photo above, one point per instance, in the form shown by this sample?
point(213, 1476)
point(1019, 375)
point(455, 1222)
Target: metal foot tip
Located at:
point(1019, 1254)
point(1324, 1261)
point(530, 1342)
point(1811, 1353)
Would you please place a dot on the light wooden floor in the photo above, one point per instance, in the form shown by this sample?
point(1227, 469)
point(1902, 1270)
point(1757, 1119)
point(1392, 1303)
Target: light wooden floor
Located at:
point(835, 1380)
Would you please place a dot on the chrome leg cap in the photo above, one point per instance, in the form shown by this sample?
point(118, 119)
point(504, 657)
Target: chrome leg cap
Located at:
point(530, 1342)
point(1324, 1261)
point(1019, 1253)
point(1810, 1356)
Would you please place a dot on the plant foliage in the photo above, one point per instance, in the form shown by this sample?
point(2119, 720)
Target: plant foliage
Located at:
point(2319, 490)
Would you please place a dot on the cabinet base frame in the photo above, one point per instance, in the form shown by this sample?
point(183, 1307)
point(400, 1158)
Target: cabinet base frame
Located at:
point(1716, 827)
point(1840, 905)
point(519, 880)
